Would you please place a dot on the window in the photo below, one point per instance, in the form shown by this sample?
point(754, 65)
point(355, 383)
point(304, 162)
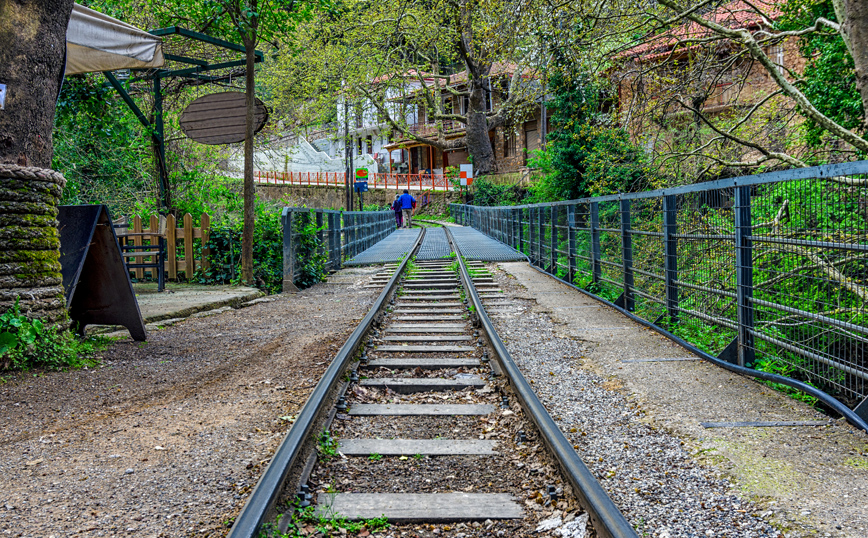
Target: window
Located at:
point(370, 142)
point(508, 141)
point(776, 55)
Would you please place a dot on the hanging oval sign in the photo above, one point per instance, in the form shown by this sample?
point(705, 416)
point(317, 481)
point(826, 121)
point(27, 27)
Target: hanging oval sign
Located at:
point(221, 118)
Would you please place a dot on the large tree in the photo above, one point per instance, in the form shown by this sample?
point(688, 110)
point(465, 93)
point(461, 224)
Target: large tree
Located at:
point(391, 56)
point(32, 48)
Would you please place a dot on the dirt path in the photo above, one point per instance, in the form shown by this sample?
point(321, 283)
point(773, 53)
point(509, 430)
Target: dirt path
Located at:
point(168, 437)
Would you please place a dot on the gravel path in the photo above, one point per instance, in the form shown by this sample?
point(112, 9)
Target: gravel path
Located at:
point(648, 473)
point(168, 437)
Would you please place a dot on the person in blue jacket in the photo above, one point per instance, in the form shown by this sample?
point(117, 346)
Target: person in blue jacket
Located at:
point(408, 207)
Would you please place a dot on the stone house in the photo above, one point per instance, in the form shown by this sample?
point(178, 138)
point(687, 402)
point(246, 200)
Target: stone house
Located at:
point(654, 80)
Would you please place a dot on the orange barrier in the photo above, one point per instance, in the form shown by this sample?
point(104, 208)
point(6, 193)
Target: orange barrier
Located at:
point(419, 182)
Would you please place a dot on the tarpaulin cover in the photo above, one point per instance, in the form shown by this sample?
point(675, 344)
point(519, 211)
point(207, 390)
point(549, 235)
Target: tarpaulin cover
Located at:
point(97, 42)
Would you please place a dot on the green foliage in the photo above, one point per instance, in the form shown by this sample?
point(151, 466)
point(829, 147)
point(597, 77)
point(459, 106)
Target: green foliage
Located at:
point(587, 154)
point(309, 254)
point(328, 445)
point(100, 147)
point(375, 457)
point(326, 524)
point(829, 79)
point(488, 193)
point(225, 251)
point(31, 343)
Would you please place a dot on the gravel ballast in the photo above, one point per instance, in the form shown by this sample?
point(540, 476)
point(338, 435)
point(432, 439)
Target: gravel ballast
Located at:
point(647, 473)
point(637, 424)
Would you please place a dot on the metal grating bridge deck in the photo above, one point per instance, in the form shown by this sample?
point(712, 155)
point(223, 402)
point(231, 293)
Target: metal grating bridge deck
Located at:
point(390, 249)
point(474, 245)
point(434, 245)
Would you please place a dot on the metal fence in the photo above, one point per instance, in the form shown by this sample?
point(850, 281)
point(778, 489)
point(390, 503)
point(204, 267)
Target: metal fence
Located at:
point(766, 271)
point(333, 236)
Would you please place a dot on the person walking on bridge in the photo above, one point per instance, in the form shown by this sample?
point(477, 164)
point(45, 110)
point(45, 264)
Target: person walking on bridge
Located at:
point(408, 207)
point(396, 207)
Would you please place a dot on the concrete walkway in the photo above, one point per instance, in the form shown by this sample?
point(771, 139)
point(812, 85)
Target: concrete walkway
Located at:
point(180, 301)
point(812, 481)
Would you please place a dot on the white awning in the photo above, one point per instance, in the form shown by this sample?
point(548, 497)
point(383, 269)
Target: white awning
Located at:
point(97, 42)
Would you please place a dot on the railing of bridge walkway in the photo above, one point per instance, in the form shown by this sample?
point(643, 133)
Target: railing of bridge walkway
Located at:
point(766, 271)
point(337, 236)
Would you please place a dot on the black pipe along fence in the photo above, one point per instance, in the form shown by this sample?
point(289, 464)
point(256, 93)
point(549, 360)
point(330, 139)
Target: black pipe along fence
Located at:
point(766, 272)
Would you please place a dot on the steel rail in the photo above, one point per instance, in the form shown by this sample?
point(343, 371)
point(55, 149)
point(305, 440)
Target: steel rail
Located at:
point(607, 520)
point(839, 407)
point(268, 489)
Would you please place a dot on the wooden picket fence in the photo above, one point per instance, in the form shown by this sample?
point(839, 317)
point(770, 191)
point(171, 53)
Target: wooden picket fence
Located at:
point(178, 239)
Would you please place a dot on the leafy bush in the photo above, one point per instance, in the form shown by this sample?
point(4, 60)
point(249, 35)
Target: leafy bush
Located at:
point(27, 343)
point(224, 243)
point(488, 193)
point(310, 257)
point(588, 154)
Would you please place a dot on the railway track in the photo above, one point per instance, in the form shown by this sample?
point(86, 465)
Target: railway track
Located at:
point(424, 423)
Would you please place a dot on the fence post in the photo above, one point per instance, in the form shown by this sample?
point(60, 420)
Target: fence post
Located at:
point(172, 246)
point(627, 255)
point(540, 236)
point(744, 276)
point(507, 216)
point(319, 231)
point(571, 234)
point(595, 242)
point(532, 235)
point(554, 240)
point(519, 230)
point(189, 261)
point(331, 235)
point(348, 235)
point(670, 243)
point(288, 252)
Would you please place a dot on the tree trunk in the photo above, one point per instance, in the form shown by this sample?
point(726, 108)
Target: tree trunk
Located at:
point(855, 26)
point(32, 47)
point(249, 192)
point(476, 135)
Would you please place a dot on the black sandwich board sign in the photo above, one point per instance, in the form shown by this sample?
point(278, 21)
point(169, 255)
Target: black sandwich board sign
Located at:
point(95, 280)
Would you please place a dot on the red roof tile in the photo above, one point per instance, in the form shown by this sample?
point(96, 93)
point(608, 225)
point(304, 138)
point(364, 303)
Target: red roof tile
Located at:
point(736, 14)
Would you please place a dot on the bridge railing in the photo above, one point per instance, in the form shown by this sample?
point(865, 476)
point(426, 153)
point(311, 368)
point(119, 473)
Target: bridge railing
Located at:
point(767, 271)
point(421, 181)
point(329, 236)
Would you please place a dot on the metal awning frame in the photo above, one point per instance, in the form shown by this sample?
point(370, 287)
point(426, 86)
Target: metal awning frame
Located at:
point(199, 66)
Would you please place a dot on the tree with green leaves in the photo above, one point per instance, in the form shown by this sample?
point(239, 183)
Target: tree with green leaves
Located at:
point(456, 66)
point(588, 153)
point(255, 23)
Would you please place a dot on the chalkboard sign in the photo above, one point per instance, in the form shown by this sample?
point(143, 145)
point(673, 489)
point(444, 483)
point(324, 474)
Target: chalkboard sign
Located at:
point(221, 118)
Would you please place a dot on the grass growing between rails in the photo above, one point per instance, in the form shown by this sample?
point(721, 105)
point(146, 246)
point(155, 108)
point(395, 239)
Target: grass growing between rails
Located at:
point(31, 343)
point(308, 521)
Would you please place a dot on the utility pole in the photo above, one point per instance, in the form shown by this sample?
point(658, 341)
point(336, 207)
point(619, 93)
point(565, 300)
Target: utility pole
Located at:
point(347, 157)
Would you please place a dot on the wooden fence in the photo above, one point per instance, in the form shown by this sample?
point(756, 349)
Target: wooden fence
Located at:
point(179, 239)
